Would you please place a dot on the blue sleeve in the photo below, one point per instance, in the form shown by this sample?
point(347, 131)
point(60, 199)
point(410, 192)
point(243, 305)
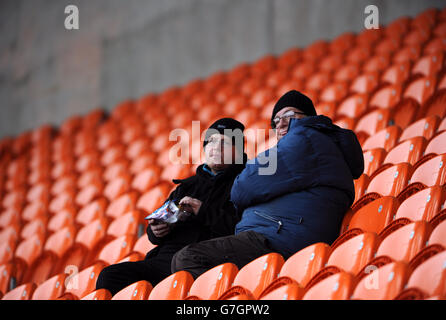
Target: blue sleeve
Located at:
point(282, 169)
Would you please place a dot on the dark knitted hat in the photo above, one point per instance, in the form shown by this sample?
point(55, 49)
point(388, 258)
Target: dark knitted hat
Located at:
point(225, 126)
point(294, 99)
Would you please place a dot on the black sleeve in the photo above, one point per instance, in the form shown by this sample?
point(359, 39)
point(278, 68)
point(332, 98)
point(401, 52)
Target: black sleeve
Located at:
point(220, 220)
point(152, 238)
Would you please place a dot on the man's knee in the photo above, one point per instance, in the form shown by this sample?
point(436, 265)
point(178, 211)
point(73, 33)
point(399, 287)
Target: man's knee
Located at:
point(180, 259)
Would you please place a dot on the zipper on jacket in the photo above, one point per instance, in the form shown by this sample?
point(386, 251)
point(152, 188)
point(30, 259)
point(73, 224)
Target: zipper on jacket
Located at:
point(265, 216)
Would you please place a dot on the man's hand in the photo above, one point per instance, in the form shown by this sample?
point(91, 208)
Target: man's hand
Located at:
point(191, 204)
point(159, 229)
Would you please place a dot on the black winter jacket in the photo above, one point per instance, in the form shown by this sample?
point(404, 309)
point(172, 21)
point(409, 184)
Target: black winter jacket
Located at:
point(217, 216)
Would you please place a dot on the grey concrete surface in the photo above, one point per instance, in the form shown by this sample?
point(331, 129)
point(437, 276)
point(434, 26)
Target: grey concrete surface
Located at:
point(128, 48)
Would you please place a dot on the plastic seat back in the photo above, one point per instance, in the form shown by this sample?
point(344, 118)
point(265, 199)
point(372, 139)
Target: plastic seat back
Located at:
point(373, 122)
point(291, 291)
point(305, 263)
point(51, 289)
point(437, 145)
point(136, 291)
point(404, 243)
point(121, 205)
point(117, 249)
point(146, 179)
point(438, 235)
point(100, 294)
point(409, 151)
point(335, 287)
point(23, 292)
point(373, 159)
point(259, 273)
point(430, 276)
point(431, 172)
point(423, 205)
point(376, 215)
point(425, 127)
point(383, 283)
point(352, 255)
point(174, 287)
point(385, 138)
point(78, 285)
point(154, 198)
point(129, 223)
point(214, 282)
point(391, 181)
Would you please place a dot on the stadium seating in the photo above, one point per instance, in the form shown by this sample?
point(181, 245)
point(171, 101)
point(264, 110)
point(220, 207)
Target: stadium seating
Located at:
point(73, 197)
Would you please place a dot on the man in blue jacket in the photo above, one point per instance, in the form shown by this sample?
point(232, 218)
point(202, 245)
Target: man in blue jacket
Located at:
point(302, 202)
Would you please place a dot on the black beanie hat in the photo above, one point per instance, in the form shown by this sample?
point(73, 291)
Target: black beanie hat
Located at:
point(220, 126)
point(294, 99)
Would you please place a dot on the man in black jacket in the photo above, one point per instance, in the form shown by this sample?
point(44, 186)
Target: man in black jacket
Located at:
point(206, 195)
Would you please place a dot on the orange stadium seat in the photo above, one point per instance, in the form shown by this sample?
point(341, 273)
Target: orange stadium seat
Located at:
point(349, 256)
point(338, 286)
point(437, 145)
point(213, 283)
point(174, 287)
point(431, 172)
point(137, 291)
point(373, 159)
point(425, 127)
point(438, 235)
point(383, 283)
point(409, 151)
point(376, 215)
point(51, 289)
point(117, 249)
point(78, 285)
point(428, 278)
point(23, 292)
point(290, 291)
point(422, 205)
point(122, 204)
point(254, 277)
point(386, 138)
point(100, 294)
point(391, 181)
point(302, 266)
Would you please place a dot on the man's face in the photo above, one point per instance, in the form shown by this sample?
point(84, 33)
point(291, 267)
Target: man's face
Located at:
point(282, 119)
point(219, 152)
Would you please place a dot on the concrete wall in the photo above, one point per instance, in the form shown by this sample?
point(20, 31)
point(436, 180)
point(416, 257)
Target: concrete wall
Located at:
point(127, 48)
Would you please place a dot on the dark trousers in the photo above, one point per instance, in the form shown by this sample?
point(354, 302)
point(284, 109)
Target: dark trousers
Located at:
point(154, 268)
point(239, 249)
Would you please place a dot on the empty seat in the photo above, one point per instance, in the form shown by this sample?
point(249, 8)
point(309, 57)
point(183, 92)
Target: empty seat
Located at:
point(100, 294)
point(117, 249)
point(428, 64)
point(387, 97)
point(51, 289)
point(353, 106)
point(136, 291)
point(80, 284)
point(386, 138)
point(391, 181)
point(254, 277)
point(121, 205)
point(154, 198)
point(361, 187)
point(429, 277)
point(373, 121)
point(146, 179)
point(404, 243)
point(129, 223)
point(213, 283)
point(290, 291)
point(88, 242)
point(399, 72)
point(431, 172)
point(420, 89)
point(423, 205)
point(437, 145)
point(365, 83)
point(350, 256)
point(7, 277)
point(47, 264)
point(425, 127)
point(383, 283)
point(142, 246)
point(376, 215)
point(23, 292)
point(117, 187)
point(438, 235)
point(301, 266)
point(338, 286)
point(174, 287)
point(409, 151)
point(373, 158)
point(26, 254)
point(91, 211)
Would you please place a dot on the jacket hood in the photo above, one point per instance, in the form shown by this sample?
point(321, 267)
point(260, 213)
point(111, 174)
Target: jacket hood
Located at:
point(345, 139)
